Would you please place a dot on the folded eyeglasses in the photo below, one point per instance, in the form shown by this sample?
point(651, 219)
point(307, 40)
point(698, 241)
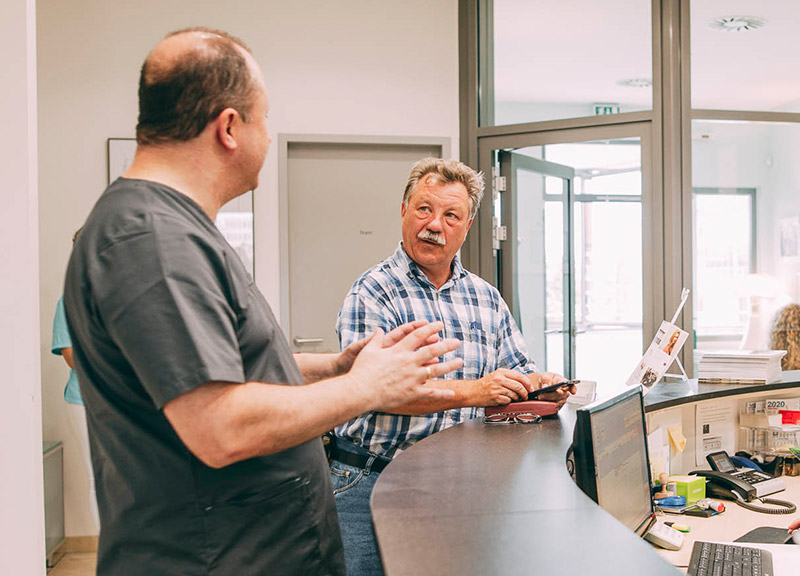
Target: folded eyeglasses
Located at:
point(512, 418)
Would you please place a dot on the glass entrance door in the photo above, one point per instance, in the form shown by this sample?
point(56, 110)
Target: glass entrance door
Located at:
point(572, 263)
point(536, 278)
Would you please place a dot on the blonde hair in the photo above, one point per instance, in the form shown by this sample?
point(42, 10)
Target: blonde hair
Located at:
point(441, 171)
point(785, 335)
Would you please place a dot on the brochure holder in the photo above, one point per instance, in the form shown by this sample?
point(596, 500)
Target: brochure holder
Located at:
point(662, 353)
point(676, 360)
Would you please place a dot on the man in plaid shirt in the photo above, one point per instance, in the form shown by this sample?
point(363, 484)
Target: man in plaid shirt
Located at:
point(424, 279)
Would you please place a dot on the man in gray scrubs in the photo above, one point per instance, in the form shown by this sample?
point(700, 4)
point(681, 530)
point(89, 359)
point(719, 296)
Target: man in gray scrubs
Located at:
point(205, 444)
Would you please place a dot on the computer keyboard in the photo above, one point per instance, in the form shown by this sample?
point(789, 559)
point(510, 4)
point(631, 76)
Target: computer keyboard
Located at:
point(710, 559)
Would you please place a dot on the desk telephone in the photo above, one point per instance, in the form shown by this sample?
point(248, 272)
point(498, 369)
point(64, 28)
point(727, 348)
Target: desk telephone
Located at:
point(743, 486)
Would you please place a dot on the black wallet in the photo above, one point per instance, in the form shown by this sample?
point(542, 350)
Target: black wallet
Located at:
point(766, 535)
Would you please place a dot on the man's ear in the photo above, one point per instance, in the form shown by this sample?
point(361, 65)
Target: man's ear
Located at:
point(469, 224)
point(403, 209)
point(226, 125)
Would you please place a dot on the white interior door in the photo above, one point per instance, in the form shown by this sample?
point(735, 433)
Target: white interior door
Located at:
point(343, 216)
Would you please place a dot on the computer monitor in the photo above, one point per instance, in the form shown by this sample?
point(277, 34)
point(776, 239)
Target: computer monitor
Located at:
point(610, 458)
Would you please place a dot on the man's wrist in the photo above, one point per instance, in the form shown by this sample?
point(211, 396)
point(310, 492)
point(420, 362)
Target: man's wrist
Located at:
point(359, 393)
point(470, 394)
point(336, 367)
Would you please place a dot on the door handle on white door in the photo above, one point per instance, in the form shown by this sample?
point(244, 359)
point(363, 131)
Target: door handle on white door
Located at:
point(300, 341)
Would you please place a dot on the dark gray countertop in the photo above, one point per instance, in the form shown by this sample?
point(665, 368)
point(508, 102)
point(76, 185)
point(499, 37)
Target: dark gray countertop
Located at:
point(488, 499)
point(497, 499)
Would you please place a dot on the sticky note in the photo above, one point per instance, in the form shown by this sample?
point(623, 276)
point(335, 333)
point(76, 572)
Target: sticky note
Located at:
point(676, 439)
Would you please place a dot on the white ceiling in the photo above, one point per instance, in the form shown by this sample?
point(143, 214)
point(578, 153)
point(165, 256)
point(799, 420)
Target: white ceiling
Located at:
point(577, 51)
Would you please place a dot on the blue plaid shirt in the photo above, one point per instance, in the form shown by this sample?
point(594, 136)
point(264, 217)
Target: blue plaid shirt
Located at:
point(396, 291)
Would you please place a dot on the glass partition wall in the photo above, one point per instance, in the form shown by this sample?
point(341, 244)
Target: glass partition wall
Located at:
point(623, 169)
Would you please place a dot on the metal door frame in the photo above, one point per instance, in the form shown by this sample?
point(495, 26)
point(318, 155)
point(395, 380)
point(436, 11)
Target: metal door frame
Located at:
point(652, 223)
point(509, 255)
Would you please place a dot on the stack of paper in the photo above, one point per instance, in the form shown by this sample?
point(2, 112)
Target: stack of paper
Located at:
point(740, 367)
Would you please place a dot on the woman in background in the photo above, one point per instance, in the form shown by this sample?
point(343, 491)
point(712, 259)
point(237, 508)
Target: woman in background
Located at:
point(62, 346)
point(785, 335)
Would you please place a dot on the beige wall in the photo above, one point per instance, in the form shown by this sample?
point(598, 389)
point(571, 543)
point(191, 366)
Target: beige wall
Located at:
point(21, 507)
point(347, 67)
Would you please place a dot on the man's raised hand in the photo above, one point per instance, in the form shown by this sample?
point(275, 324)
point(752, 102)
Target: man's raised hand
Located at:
point(391, 369)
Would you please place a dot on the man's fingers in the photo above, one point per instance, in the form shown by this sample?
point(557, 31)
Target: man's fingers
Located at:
point(402, 331)
point(549, 378)
point(419, 336)
point(432, 339)
point(428, 353)
point(375, 340)
point(553, 397)
point(358, 345)
point(442, 368)
point(527, 383)
point(519, 391)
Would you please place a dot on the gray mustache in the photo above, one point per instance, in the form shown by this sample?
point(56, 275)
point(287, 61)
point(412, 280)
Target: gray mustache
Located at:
point(432, 237)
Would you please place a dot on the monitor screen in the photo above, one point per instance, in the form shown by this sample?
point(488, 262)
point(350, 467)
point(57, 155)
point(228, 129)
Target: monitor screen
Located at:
point(610, 453)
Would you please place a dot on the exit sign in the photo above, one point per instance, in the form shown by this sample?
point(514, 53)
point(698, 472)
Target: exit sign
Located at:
point(601, 109)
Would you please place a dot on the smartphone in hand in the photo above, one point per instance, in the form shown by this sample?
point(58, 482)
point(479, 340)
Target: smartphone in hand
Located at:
point(552, 388)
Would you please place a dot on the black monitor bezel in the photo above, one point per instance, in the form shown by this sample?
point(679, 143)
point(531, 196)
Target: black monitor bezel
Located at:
point(583, 448)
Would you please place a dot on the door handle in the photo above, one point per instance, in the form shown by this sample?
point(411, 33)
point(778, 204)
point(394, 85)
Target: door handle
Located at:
point(300, 341)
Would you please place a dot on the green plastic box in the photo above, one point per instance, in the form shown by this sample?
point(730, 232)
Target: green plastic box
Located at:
point(693, 487)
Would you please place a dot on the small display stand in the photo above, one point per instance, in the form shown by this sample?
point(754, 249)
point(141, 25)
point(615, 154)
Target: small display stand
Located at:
point(662, 353)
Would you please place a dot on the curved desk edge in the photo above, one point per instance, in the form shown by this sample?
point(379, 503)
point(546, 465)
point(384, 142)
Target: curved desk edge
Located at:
point(670, 394)
point(493, 499)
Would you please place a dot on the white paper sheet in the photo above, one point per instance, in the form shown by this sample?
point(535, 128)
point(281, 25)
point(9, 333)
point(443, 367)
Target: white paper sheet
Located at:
point(715, 430)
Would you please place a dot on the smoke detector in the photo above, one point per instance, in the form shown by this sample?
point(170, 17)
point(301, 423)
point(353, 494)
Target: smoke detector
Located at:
point(736, 23)
point(637, 82)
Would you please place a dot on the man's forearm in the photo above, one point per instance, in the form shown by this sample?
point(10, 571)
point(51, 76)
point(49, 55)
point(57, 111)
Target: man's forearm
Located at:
point(241, 421)
point(464, 398)
point(496, 388)
point(316, 367)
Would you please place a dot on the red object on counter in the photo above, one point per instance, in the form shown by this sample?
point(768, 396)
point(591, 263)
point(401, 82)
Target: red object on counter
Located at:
point(790, 416)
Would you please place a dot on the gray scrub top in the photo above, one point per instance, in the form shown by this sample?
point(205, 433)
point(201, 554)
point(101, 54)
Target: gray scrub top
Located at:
point(158, 304)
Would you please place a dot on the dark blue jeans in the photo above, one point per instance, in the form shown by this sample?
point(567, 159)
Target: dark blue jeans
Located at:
point(352, 488)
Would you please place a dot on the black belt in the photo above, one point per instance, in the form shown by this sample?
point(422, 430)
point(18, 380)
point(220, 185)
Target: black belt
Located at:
point(358, 460)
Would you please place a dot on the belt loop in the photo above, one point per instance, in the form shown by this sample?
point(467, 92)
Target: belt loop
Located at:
point(368, 466)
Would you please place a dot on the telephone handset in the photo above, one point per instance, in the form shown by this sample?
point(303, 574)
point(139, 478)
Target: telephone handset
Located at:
point(726, 486)
point(725, 482)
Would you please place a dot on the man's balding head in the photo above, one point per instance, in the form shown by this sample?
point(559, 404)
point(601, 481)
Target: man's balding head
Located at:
point(188, 80)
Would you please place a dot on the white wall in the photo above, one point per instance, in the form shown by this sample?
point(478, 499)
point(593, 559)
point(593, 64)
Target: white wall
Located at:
point(21, 502)
point(347, 67)
point(761, 156)
point(785, 201)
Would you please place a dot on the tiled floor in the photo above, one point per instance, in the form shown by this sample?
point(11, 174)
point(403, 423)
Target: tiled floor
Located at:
point(75, 564)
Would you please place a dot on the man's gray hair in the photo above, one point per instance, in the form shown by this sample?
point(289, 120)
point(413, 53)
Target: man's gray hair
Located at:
point(438, 171)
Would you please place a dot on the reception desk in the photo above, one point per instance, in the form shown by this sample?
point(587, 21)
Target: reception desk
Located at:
point(497, 499)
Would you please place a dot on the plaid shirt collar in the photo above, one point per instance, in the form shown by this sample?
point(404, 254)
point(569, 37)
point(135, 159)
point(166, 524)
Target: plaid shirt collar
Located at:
point(403, 261)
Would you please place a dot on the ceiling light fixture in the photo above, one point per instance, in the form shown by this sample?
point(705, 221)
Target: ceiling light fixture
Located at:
point(736, 23)
point(637, 82)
